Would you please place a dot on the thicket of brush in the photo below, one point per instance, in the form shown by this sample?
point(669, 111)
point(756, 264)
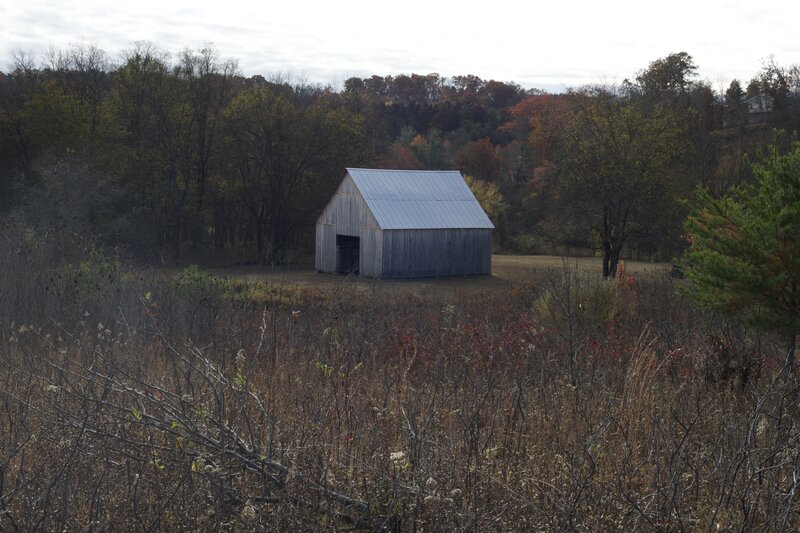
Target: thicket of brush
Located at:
point(130, 400)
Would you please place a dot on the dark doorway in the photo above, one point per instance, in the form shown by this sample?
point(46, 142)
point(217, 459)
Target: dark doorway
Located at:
point(347, 254)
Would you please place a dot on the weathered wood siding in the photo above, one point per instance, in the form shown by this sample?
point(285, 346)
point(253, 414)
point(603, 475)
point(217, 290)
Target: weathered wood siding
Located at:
point(347, 214)
point(371, 252)
point(325, 254)
point(348, 211)
point(439, 252)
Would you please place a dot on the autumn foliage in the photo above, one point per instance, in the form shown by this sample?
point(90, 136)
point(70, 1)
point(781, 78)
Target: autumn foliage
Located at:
point(197, 161)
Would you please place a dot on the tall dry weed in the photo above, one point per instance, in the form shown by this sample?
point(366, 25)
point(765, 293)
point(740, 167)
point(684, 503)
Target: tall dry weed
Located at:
point(339, 408)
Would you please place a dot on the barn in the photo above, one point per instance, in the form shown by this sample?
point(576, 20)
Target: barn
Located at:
point(404, 224)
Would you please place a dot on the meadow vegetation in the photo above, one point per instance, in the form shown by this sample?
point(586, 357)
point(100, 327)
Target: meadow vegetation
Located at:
point(560, 402)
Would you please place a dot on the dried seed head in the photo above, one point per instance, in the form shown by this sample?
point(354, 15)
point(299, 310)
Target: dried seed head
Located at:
point(397, 457)
point(248, 512)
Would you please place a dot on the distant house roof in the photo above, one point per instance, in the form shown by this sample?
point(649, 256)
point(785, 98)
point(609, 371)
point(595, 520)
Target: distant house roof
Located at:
point(760, 103)
point(417, 199)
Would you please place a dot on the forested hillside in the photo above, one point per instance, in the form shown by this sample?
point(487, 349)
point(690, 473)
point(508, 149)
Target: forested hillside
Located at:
point(167, 155)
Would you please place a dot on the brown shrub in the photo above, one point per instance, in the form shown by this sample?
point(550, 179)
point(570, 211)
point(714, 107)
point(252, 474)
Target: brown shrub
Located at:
point(343, 409)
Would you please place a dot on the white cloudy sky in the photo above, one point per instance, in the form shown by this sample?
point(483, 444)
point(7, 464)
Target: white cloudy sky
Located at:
point(553, 44)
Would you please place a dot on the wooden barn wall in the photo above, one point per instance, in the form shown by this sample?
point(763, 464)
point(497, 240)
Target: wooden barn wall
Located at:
point(347, 214)
point(348, 211)
point(370, 252)
point(325, 253)
point(439, 252)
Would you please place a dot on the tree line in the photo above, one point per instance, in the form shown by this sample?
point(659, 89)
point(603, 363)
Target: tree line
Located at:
point(181, 154)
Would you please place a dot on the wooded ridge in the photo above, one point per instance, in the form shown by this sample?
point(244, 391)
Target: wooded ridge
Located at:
point(166, 155)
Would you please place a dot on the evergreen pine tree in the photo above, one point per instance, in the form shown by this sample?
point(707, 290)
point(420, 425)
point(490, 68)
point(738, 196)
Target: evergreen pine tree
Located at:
point(744, 255)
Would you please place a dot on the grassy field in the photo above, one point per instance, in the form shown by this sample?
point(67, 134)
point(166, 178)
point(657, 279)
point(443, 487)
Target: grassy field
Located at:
point(520, 267)
point(506, 270)
point(541, 398)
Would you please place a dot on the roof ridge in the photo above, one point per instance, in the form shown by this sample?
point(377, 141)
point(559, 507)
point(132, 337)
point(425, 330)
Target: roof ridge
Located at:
point(401, 170)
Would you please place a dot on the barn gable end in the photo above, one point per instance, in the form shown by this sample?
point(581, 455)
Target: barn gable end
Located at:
point(348, 210)
point(402, 224)
point(347, 214)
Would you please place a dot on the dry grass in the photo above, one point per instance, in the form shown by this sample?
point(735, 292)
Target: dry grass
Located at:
point(191, 403)
point(518, 267)
point(506, 271)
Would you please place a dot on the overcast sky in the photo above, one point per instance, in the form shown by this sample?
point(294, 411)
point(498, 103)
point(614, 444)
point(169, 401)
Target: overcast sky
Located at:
point(551, 45)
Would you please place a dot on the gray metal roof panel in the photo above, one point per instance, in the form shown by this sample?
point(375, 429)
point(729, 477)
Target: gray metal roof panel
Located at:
point(417, 199)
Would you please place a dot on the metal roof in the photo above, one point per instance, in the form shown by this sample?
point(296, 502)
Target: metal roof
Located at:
point(419, 199)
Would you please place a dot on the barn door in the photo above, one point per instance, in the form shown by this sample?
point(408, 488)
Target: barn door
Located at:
point(347, 254)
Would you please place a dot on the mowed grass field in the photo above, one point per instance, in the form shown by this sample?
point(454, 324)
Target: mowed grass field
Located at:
point(506, 270)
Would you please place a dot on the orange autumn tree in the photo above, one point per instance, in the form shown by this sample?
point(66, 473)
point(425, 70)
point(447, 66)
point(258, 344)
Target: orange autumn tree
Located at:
point(480, 159)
